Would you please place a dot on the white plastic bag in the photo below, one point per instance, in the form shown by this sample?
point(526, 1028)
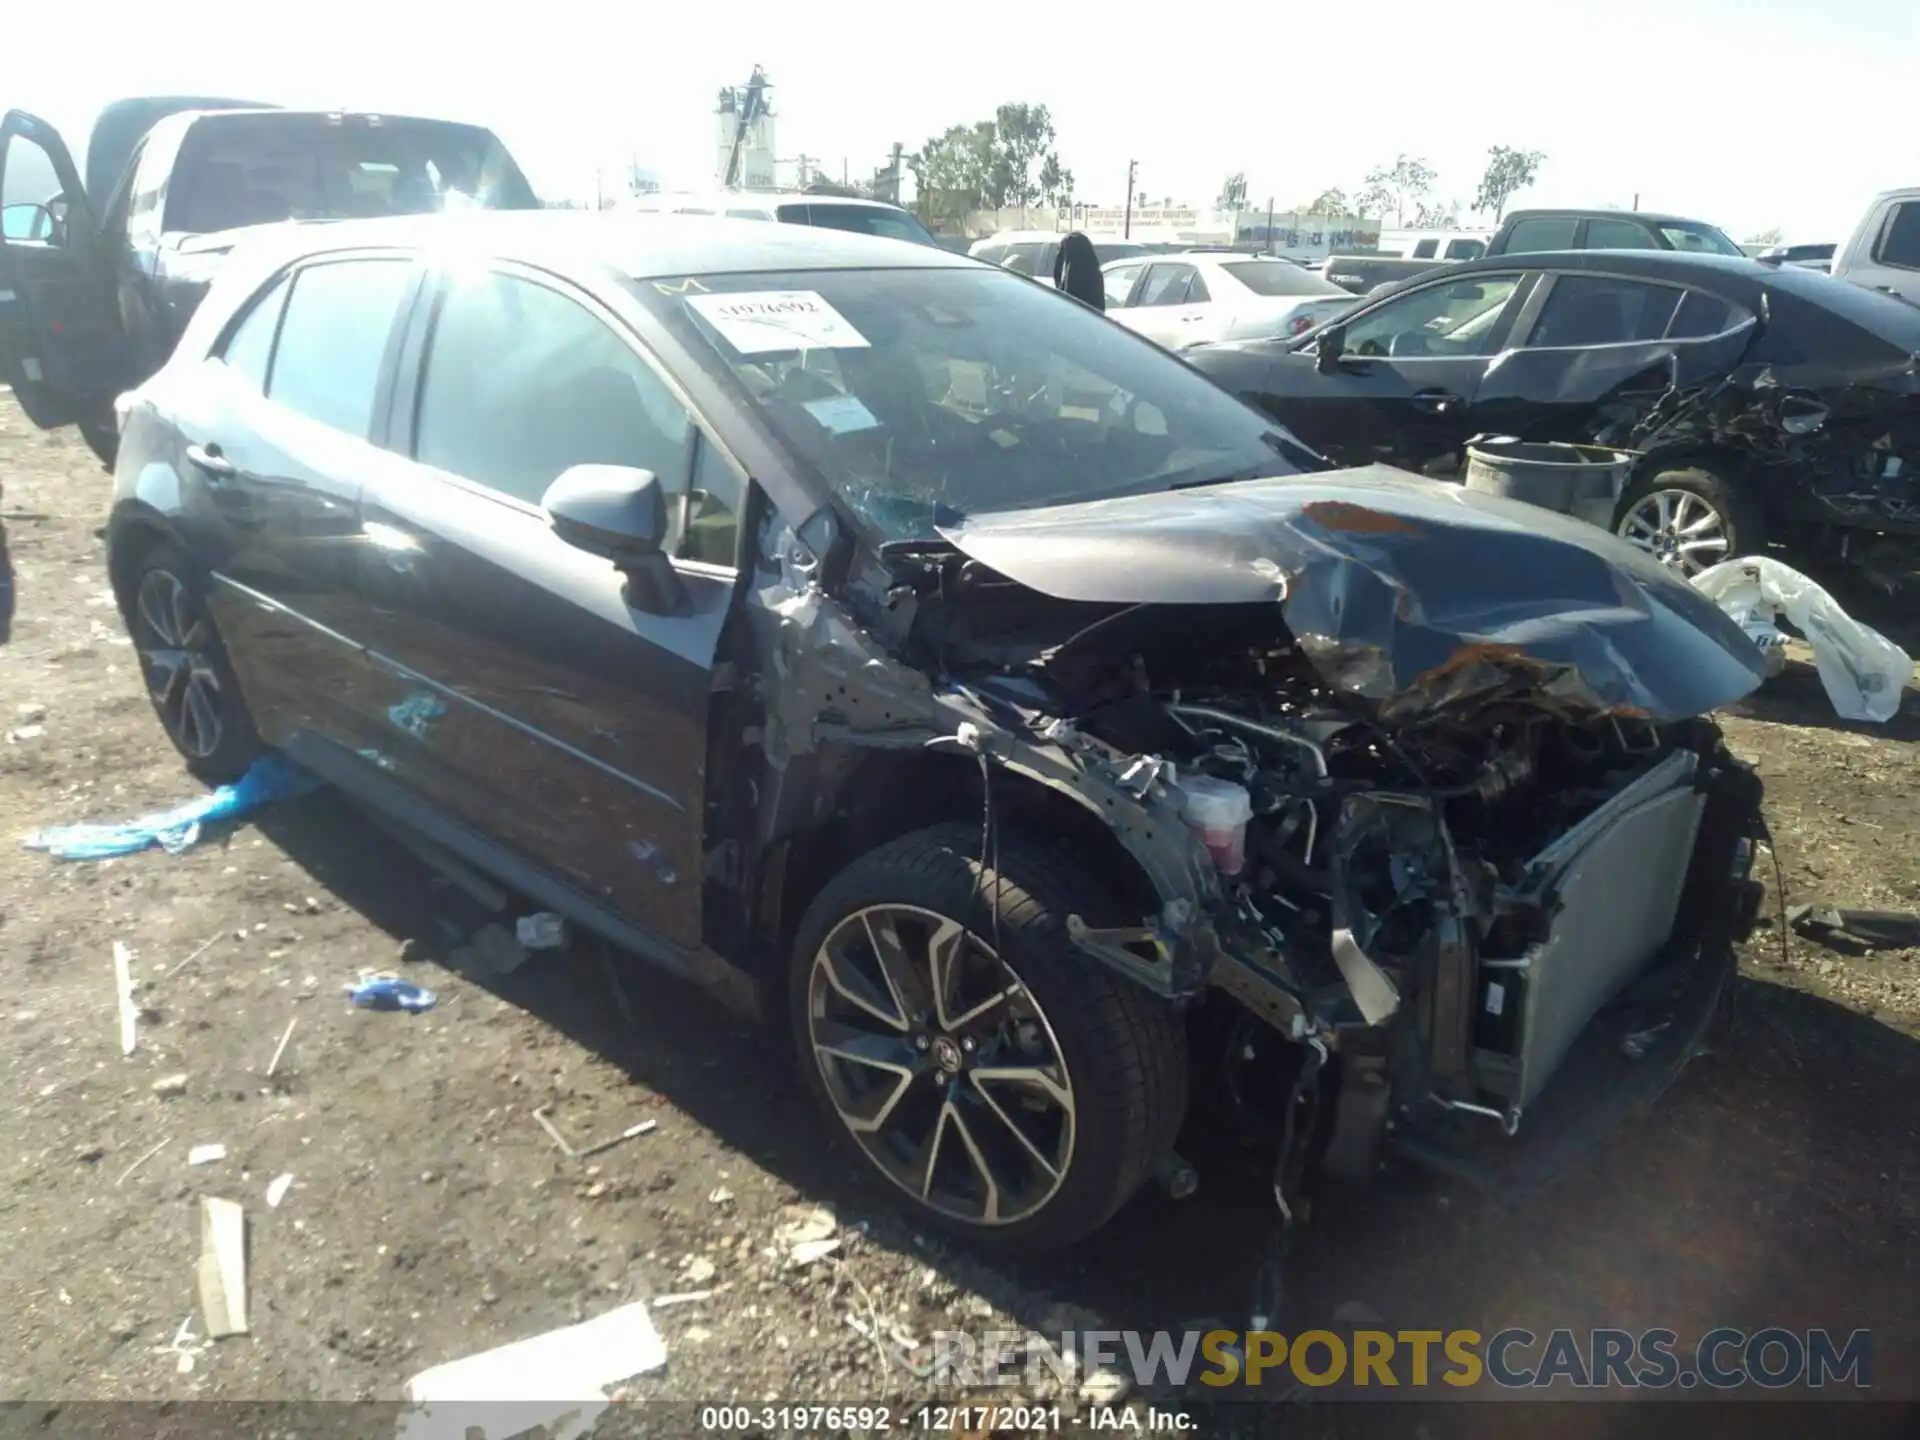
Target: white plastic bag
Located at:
point(1863, 671)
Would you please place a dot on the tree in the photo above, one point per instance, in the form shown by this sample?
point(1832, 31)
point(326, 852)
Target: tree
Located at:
point(952, 171)
point(1508, 172)
point(1328, 202)
point(1769, 236)
point(1056, 182)
point(1400, 186)
point(1440, 215)
point(1233, 192)
point(1374, 200)
point(1022, 139)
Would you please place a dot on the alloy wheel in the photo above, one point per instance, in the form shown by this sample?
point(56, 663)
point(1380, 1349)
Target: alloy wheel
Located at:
point(1680, 529)
point(941, 1064)
point(176, 648)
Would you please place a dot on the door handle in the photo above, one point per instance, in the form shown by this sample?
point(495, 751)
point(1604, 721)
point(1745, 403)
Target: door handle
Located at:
point(1436, 402)
point(208, 459)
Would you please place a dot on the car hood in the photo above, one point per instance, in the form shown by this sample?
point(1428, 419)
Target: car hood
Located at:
point(1414, 594)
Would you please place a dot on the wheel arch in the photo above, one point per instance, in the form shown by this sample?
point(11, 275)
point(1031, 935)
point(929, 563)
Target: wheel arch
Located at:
point(1726, 462)
point(885, 794)
point(134, 531)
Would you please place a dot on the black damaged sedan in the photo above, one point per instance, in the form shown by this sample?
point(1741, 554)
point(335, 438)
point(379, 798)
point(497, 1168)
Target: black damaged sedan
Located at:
point(1037, 733)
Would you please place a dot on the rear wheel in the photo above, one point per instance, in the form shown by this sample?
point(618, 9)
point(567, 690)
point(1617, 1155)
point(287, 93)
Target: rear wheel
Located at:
point(1016, 1096)
point(189, 679)
point(1689, 518)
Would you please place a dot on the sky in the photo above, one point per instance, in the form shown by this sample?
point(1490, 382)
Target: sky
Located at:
point(1751, 114)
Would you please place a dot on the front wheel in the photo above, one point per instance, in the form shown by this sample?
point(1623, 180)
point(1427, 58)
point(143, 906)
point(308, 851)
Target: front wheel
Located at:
point(1017, 1096)
point(1690, 519)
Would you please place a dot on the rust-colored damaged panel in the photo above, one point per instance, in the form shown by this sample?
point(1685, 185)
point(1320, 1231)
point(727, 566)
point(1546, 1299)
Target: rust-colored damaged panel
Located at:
point(1345, 516)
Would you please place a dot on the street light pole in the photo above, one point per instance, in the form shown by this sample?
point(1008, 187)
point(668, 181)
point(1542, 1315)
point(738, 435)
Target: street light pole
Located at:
point(1126, 220)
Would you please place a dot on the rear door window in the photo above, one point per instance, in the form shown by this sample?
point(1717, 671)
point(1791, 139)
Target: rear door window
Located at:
point(333, 339)
point(1466, 249)
point(1900, 242)
point(1544, 232)
point(1600, 310)
point(1426, 249)
point(1031, 258)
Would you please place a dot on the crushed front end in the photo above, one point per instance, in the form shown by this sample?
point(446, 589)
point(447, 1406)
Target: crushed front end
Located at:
point(1422, 780)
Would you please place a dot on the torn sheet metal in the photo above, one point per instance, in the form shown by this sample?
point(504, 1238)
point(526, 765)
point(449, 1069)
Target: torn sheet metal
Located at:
point(1412, 593)
point(1862, 671)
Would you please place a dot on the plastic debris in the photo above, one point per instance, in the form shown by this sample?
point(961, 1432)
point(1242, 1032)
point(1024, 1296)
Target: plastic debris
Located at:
point(277, 1190)
point(206, 1154)
point(390, 992)
point(271, 777)
point(26, 732)
point(417, 715)
point(807, 1252)
point(801, 1223)
point(168, 1086)
point(541, 931)
point(1862, 671)
point(123, 987)
point(223, 1267)
point(557, 1381)
point(1856, 931)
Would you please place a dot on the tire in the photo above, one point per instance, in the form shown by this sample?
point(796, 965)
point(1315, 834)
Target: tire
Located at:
point(1118, 1052)
point(1691, 494)
point(190, 682)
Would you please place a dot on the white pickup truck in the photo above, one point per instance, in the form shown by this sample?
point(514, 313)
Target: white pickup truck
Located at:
point(1883, 252)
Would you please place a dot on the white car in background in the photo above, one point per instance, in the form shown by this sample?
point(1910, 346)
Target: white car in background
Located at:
point(1182, 300)
point(1032, 252)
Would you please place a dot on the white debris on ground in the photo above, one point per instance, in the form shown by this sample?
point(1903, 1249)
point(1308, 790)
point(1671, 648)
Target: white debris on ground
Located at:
point(1862, 671)
point(557, 1381)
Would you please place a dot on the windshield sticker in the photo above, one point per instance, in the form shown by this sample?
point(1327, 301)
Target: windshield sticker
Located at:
point(756, 322)
point(841, 414)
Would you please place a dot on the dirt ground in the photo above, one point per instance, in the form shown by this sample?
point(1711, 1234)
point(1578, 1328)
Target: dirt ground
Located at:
point(431, 1217)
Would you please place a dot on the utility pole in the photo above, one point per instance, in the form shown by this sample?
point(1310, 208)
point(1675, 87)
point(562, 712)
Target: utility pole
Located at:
point(1126, 222)
point(1636, 200)
point(1270, 224)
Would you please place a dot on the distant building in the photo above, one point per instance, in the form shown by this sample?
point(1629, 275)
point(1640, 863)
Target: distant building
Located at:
point(757, 148)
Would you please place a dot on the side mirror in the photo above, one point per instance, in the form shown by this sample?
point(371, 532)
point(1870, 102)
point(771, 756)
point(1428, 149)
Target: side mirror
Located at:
point(1331, 347)
point(620, 514)
point(26, 222)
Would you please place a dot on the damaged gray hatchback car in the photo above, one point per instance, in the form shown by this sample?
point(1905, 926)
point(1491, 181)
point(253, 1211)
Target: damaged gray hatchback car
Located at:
point(1033, 729)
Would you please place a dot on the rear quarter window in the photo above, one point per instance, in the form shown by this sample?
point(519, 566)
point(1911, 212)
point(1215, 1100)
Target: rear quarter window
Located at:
point(249, 347)
point(1545, 232)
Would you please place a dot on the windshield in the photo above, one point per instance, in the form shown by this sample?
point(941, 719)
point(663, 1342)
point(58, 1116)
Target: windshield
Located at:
point(861, 219)
point(1277, 277)
point(260, 169)
point(925, 396)
point(1701, 239)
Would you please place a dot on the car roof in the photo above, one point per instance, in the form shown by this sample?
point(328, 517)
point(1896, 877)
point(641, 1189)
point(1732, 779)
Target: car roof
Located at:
point(639, 246)
point(1656, 264)
point(1656, 217)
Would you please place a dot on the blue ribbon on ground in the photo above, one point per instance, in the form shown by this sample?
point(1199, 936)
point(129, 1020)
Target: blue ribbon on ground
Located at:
point(271, 777)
